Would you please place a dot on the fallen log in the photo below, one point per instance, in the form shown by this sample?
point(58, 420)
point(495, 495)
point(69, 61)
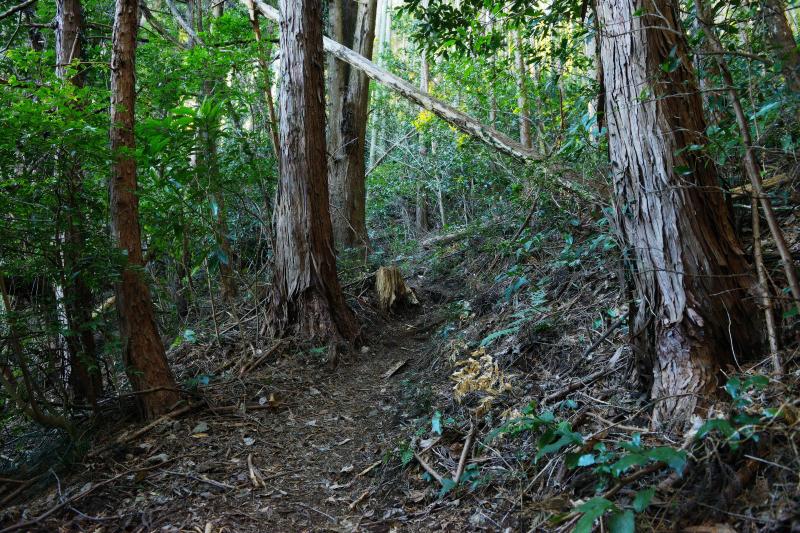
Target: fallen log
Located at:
point(447, 238)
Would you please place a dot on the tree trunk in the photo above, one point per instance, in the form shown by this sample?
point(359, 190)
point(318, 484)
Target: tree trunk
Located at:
point(142, 353)
point(353, 25)
point(783, 42)
point(597, 108)
point(522, 93)
point(752, 165)
point(421, 219)
point(691, 275)
point(307, 297)
point(35, 37)
point(440, 201)
point(264, 51)
point(421, 223)
point(85, 380)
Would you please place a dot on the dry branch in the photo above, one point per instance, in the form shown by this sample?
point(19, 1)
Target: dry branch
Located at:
point(464, 454)
point(141, 431)
point(446, 112)
point(769, 183)
point(617, 323)
point(429, 469)
point(69, 501)
point(16, 8)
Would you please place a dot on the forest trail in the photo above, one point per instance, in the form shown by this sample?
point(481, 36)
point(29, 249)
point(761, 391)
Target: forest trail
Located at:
point(312, 456)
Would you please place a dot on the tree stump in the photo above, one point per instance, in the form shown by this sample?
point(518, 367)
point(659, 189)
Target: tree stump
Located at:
point(392, 289)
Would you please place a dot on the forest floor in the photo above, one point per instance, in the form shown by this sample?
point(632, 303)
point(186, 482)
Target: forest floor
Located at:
point(306, 448)
point(273, 437)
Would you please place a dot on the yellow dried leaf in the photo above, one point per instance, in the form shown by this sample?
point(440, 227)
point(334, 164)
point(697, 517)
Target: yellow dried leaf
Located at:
point(480, 374)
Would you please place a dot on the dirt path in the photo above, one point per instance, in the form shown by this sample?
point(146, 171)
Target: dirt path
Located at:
point(330, 444)
point(320, 449)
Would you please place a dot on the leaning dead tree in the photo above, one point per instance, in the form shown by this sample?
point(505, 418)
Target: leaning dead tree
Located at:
point(446, 112)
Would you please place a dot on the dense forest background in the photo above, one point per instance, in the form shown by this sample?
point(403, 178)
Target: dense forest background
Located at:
point(463, 265)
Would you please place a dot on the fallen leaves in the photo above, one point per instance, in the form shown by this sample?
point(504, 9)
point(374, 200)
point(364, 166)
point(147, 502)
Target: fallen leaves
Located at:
point(479, 373)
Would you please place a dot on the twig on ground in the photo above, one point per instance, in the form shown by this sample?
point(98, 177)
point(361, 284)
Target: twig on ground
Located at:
point(254, 364)
point(359, 499)
point(68, 502)
point(429, 469)
point(139, 432)
point(368, 469)
point(572, 387)
point(202, 479)
point(464, 454)
point(617, 323)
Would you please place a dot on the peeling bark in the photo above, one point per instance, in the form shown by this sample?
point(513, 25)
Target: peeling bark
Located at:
point(307, 297)
point(696, 311)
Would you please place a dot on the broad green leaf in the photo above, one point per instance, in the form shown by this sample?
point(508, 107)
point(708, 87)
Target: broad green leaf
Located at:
point(675, 459)
point(627, 461)
point(622, 522)
point(436, 423)
point(592, 510)
point(642, 499)
point(447, 485)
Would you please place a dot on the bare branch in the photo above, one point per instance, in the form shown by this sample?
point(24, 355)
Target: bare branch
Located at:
point(16, 8)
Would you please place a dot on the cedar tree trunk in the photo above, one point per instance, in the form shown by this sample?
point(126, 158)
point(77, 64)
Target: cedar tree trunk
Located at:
point(785, 48)
point(85, 380)
point(352, 24)
point(143, 353)
point(696, 311)
point(307, 297)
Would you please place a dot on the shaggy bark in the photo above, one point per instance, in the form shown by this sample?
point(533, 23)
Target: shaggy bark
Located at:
point(353, 24)
point(307, 297)
point(143, 353)
point(696, 312)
